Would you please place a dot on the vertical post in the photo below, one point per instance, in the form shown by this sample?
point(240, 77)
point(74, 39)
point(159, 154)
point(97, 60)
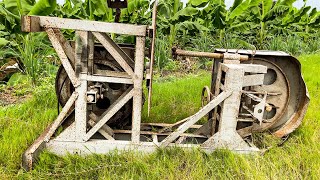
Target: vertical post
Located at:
point(227, 136)
point(90, 60)
point(137, 85)
point(230, 108)
point(90, 53)
point(81, 67)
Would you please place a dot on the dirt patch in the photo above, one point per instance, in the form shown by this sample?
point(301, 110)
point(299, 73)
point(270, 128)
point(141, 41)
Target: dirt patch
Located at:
point(8, 96)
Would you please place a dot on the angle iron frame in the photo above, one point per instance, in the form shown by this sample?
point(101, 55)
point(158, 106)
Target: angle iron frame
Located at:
point(76, 139)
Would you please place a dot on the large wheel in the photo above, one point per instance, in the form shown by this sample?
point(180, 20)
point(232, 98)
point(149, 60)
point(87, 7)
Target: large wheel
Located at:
point(288, 93)
point(277, 88)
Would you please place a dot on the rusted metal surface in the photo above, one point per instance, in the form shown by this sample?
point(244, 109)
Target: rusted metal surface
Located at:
point(205, 96)
point(276, 82)
point(179, 52)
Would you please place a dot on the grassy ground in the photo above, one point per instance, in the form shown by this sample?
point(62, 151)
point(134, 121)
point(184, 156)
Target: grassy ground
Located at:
point(298, 158)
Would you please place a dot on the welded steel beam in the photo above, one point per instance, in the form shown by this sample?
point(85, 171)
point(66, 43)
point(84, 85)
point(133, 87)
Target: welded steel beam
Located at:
point(195, 118)
point(137, 85)
point(57, 45)
point(37, 23)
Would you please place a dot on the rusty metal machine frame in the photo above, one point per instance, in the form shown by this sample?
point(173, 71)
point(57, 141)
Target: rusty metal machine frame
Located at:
point(79, 137)
point(82, 57)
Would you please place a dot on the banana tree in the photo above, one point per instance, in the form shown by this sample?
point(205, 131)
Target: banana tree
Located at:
point(137, 12)
point(174, 20)
point(310, 21)
point(268, 15)
point(11, 11)
point(166, 11)
point(224, 24)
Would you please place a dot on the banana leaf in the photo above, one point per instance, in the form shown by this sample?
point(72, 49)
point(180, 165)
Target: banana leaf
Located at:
point(3, 42)
point(43, 7)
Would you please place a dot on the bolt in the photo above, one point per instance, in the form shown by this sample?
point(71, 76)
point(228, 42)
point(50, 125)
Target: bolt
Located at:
point(268, 107)
point(90, 98)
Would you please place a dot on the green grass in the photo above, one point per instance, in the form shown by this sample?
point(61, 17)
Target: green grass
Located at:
point(174, 99)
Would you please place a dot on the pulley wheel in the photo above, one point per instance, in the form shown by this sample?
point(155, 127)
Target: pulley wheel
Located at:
point(277, 87)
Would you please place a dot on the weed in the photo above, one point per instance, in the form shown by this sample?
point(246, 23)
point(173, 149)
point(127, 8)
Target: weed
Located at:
point(32, 50)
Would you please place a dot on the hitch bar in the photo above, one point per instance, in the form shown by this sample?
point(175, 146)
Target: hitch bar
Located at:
point(179, 52)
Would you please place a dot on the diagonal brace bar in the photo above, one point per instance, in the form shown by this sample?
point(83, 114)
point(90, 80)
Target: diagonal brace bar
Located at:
point(31, 153)
point(112, 110)
point(69, 51)
point(63, 57)
point(121, 57)
point(195, 118)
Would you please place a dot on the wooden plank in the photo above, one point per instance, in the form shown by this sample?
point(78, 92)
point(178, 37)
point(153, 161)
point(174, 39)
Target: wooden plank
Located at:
point(108, 79)
point(180, 139)
point(81, 64)
point(116, 52)
point(155, 139)
point(112, 110)
point(218, 85)
point(195, 118)
point(173, 125)
point(63, 58)
point(137, 97)
point(82, 25)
